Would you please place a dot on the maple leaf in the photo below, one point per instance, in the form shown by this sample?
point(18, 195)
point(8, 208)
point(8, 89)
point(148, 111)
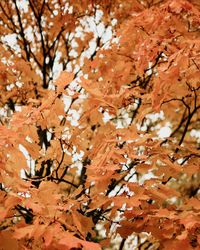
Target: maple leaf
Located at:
point(70, 241)
point(64, 79)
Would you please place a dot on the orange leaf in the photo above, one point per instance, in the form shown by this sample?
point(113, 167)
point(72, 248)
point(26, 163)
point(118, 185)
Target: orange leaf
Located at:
point(70, 241)
point(63, 80)
point(22, 232)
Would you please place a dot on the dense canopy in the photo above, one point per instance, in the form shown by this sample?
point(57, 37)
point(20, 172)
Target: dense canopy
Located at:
point(100, 124)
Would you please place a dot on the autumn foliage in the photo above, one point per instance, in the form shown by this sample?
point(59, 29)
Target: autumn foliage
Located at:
point(99, 140)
